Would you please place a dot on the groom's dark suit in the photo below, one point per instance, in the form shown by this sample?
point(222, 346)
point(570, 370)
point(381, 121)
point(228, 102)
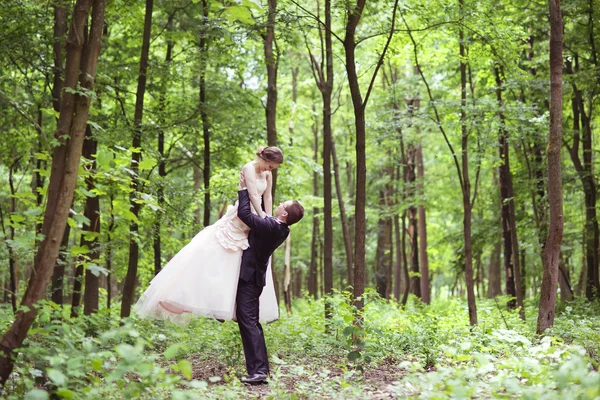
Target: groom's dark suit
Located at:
point(266, 234)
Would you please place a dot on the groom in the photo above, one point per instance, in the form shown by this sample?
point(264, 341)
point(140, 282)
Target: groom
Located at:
point(264, 237)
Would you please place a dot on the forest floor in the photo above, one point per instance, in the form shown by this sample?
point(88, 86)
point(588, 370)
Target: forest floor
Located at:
point(428, 352)
point(373, 382)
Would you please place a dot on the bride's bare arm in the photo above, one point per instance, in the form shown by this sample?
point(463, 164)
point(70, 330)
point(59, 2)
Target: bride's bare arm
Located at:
point(250, 176)
point(268, 195)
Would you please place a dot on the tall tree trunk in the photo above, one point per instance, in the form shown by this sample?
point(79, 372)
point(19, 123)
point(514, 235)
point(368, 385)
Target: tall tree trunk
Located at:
point(509, 224)
point(423, 260)
point(398, 258)
point(92, 213)
point(72, 122)
point(162, 163)
point(581, 122)
point(272, 61)
point(326, 87)
point(413, 225)
point(354, 14)
point(314, 250)
point(494, 272)
point(203, 110)
point(405, 262)
point(383, 258)
point(463, 173)
point(343, 217)
point(58, 275)
point(12, 261)
point(287, 275)
point(132, 266)
point(197, 187)
point(555, 199)
point(564, 281)
point(466, 183)
point(108, 257)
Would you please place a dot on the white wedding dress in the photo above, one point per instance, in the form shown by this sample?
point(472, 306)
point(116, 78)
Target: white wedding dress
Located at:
point(202, 278)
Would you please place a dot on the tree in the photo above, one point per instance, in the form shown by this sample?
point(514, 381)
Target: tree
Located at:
point(82, 57)
point(509, 223)
point(132, 266)
point(556, 227)
point(353, 15)
point(323, 75)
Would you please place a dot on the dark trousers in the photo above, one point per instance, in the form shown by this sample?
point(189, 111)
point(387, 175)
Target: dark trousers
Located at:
point(253, 339)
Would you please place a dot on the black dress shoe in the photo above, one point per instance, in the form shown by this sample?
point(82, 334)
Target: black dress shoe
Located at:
point(256, 379)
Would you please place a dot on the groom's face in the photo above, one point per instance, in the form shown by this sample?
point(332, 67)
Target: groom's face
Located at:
point(280, 211)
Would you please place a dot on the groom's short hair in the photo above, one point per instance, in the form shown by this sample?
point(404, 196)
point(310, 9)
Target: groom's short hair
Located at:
point(295, 212)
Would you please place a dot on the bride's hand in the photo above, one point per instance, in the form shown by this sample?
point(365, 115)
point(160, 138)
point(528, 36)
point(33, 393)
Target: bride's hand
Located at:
point(242, 183)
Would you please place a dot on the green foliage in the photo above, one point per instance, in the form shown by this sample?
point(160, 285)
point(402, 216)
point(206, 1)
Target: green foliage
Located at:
point(420, 351)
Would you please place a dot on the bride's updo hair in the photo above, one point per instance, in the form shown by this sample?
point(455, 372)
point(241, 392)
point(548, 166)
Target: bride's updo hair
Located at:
point(270, 154)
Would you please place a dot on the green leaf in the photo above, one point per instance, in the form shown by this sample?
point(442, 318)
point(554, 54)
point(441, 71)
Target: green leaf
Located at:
point(65, 393)
point(87, 193)
point(130, 216)
point(239, 13)
point(146, 163)
point(349, 330)
point(186, 368)
point(353, 355)
point(105, 159)
point(36, 394)
point(196, 384)
point(77, 250)
point(97, 364)
point(16, 218)
point(95, 126)
point(97, 270)
point(72, 222)
point(172, 351)
point(57, 377)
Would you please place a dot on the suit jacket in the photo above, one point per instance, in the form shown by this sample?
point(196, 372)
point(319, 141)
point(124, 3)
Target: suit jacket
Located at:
point(266, 234)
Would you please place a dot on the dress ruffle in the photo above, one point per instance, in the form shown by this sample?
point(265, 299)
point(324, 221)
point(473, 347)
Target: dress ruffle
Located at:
point(232, 233)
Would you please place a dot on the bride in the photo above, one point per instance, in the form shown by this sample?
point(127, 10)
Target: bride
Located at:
point(202, 278)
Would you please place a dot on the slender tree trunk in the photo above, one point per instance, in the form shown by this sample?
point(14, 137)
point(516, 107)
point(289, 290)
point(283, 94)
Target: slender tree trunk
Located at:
point(555, 234)
point(203, 110)
point(581, 122)
point(509, 224)
point(12, 262)
point(405, 262)
point(383, 258)
point(564, 281)
point(272, 61)
point(108, 257)
point(74, 110)
point(326, 88)
point(413, 225)
point(466, 183)
point(343, 217)
point(314, 249)
point(131, 277)
point(287, 275)
point(494, 272)
point(197, 187)
point(58, 275)
point(423, 260)
point(92, 213)
point(398, 258)
point(162, 163)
